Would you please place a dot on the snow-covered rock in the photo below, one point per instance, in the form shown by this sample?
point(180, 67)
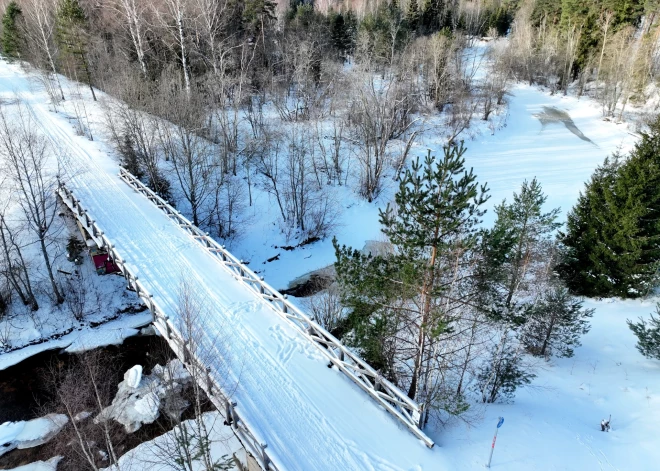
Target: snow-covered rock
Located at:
point(31, 433)
point(80, 416)
point(147, 406)
point(139, 396)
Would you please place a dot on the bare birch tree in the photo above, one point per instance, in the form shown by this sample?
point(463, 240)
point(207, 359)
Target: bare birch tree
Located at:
point(133, 18)
point(174, 17)
point(32, 167)
point(40, 16)
point(13, 264)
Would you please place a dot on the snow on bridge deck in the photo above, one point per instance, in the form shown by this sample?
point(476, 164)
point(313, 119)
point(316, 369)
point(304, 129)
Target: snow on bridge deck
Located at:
point(311, 417)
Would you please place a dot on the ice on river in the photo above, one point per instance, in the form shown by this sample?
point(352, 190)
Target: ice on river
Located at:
point(31, 433)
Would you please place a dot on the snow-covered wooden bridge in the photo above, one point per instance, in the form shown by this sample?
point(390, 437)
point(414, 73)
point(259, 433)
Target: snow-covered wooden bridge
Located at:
point(261, 360)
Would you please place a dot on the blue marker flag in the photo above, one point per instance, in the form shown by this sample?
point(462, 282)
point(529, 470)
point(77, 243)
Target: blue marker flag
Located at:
point(499, 424)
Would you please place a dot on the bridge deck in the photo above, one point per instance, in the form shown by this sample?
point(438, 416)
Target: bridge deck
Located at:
point(311, 417)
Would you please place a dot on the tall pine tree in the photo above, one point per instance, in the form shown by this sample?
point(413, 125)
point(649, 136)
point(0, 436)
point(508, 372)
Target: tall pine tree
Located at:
point(72, 37)
point(433, 234)
point(520, 241)
point(11, 36)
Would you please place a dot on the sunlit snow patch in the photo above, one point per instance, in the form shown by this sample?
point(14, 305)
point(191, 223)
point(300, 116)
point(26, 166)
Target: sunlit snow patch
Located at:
point(31, 433)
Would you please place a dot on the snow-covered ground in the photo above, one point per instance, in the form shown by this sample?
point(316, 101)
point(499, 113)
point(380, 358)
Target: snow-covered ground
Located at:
point(157, 454)
point(553, 424)
point(84, 338)
point(104, 299)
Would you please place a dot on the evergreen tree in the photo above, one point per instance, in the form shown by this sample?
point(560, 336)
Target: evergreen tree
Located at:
point(342, 32)
point(433, 232)
point(129, 157)
point(11, 37)
point(648, 335)
point(161, 186)
point(503, 373)
point(613, 234)
point(529, 227)
point(258, 12)
point(72, 38)
point(432, 20)
point(556, 324)
point(584, 266)
point(413, 16)
point(519, 240)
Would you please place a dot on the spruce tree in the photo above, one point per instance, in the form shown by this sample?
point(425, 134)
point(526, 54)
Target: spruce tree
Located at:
point(556, 324)
point(413, 16)
point(431, 17)
point(130, 159)
point(11, 37)
point(648, 335)
point(612, 237)
point(72, 37)
point(433, 231)
point(585, 263)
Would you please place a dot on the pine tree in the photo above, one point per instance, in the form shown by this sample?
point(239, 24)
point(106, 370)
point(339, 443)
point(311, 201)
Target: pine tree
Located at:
point(433, 232)
point(520, 239)
point(529, 226)
point(502, 373)
point(72, 36)
point(648, 335)
point(413, 16)
point(556, 324)
point(11, 37)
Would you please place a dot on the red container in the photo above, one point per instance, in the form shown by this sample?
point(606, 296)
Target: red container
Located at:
point(104, 265)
